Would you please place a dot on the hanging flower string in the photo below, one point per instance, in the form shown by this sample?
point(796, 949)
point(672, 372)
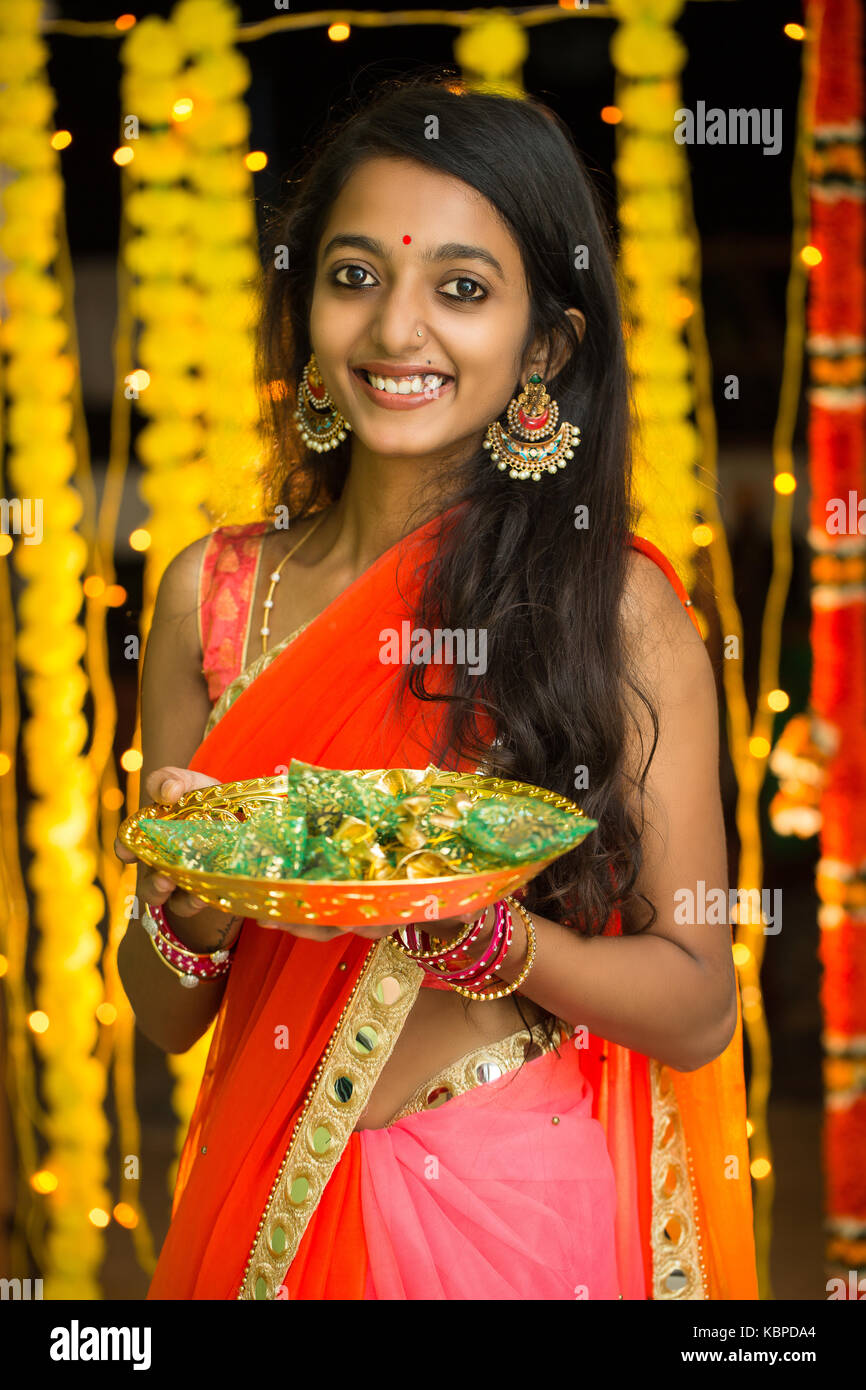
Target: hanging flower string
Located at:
point(655, 263)
point(68, 907)
point(827, 746)
point(225, 265)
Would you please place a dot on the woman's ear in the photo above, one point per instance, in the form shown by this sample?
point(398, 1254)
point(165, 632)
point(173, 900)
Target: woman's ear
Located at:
point(560, 352)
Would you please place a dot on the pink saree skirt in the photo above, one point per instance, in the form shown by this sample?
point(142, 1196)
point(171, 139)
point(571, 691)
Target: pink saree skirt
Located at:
point(505, 1191)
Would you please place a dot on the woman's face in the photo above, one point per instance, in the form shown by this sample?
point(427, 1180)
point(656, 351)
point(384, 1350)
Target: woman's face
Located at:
point(408, 248)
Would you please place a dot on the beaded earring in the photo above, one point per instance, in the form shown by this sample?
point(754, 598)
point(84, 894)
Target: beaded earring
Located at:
point(320, 424)
point(533, 415)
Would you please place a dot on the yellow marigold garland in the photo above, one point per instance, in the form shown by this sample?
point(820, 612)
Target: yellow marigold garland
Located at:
point(60, 824)
point(197, 308)
point(225, 267)
point(655, 261)
point(158, 254)
point(491, 51)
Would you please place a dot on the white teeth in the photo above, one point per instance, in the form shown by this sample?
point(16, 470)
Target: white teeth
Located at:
point(405, 385)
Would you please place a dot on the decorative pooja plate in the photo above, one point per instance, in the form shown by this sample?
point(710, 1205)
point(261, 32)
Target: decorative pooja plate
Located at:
point(427, 885)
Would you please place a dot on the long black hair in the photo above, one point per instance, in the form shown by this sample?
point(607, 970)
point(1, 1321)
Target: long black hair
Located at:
point(518, 560)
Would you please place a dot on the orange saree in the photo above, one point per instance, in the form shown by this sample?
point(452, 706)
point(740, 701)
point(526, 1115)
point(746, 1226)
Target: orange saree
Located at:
point(276, 1192)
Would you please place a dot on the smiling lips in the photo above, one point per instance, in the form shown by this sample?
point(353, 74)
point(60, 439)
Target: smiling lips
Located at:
point(405, 390)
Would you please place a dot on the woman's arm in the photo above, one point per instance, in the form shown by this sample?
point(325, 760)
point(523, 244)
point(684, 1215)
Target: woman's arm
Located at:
point(174, 711)
point(669, 992)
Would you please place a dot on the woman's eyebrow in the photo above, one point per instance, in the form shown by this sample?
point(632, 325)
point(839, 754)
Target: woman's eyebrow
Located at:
point(449, 251)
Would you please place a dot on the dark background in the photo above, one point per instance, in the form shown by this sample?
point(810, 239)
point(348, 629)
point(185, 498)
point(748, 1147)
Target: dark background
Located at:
point(739, 57)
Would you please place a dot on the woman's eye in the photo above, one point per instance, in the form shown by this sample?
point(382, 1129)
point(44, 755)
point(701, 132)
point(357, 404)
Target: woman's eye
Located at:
point(462, 282)
point(355, 274)
point(356, 277)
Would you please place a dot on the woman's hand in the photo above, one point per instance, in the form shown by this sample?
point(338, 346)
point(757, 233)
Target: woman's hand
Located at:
point(444, 927)
point(204, 928)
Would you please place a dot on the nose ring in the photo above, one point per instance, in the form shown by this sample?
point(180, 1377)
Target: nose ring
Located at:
point(420, 334)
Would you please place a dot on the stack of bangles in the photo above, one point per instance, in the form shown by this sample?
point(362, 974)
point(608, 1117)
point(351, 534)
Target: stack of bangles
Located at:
point(447, 961)
point(189, 966)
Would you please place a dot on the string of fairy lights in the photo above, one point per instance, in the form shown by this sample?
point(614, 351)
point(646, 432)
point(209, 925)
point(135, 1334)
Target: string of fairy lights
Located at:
point(184, 77)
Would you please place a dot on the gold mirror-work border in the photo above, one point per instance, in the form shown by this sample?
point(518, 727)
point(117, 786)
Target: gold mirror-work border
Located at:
point(281, 1228)
point(283, 1223)
point(672, 1200)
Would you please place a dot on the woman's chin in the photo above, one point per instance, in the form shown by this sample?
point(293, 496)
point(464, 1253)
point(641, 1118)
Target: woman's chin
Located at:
point(400, 443)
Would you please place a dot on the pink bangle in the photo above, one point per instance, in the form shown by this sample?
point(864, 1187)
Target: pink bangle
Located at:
point(476, 980)
point(419, 942)
point(190, 966)
point(496, 951)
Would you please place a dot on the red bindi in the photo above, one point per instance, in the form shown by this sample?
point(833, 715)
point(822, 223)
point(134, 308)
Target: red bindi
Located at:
point(406, 240)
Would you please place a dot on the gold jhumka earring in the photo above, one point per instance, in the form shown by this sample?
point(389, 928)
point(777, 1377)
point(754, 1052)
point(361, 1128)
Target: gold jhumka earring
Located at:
point(533, 416)
point(320, 424)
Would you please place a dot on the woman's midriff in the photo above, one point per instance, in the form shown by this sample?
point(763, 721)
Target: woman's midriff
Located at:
point(440, 1029)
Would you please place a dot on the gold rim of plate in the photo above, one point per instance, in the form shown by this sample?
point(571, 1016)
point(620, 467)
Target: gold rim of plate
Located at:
point(341, 902)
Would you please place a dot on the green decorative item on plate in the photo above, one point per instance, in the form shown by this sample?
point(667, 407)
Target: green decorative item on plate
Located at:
point(519, 830)
point(344, 846)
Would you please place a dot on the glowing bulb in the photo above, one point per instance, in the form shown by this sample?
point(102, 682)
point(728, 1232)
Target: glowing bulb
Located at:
point(5, 764)
point(778, 700)
point(759, 746)
point(751, 996)
point(139, 380)
point(123, 155)
point(43, 1181)
point(810, 255)
point(741, 953)
point(115, 595)
point(106, 1013)
point(182, 109)
point(256, 160)
point(750, 1129)
point(611, 115)
point(139, 539)
point(794, 31)
point(702, 534)
point(125, 21)
point(683, 307)
point(38, 1021)
point(338, 32)
point(760, 1168)
point(98, 1217)
point(112, 798)
point(60, 139)
point(131, 760)
point(785, 484)
point(93, 586)
point(125, 1215)
point(5, 543)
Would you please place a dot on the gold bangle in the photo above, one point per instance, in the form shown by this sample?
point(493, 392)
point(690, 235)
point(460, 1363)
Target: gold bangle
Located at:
point(217, 955)
point(530, 959)
point(434, 955)
point(181, 974)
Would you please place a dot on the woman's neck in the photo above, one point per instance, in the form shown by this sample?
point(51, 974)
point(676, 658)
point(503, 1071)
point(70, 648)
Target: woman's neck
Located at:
point(373, 512)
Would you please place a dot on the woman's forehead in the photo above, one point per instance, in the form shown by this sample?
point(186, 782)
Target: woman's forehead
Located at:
point(392, 199)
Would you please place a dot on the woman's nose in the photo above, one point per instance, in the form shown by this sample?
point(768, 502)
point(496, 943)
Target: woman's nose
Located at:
point(397, 323)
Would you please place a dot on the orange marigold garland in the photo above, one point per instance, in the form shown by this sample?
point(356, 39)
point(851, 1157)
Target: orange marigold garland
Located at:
point(822, 755)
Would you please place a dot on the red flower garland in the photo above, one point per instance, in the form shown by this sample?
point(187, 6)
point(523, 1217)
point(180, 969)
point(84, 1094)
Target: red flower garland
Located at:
point(837, 466)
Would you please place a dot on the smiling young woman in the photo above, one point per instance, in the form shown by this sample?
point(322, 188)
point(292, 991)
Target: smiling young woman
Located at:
point(573, 1137)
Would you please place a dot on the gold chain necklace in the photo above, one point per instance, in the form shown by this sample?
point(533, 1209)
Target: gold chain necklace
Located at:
point(275, 579)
